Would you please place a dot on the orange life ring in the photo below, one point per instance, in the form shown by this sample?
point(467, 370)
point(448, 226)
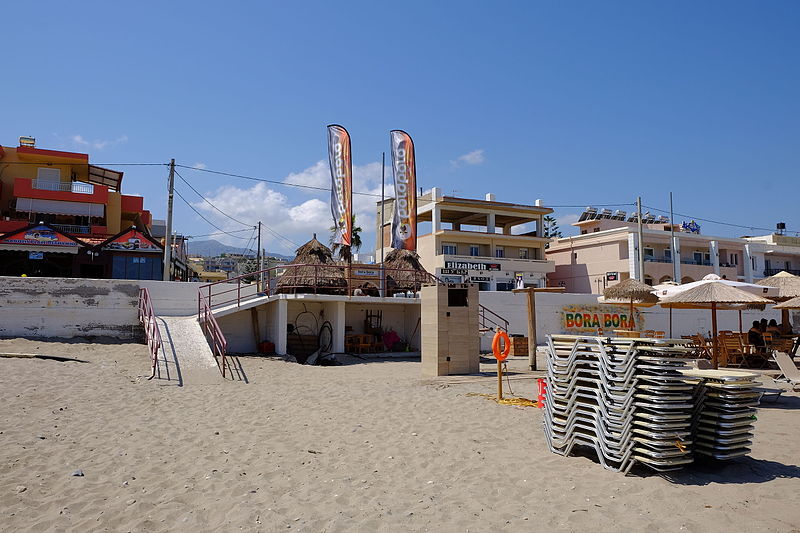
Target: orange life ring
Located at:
point(501, 356)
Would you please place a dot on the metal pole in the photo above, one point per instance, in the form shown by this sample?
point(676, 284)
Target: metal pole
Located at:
point(259, 259)
point(168, 239)
point(641, 238)
point(532, 328)
point(672, 244)
point(383, 220)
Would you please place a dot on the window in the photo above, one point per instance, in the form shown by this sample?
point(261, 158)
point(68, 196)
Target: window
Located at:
point(48, 174)
point(457, 298)
point(449, 249)
point(523, 253)
point(734, 259)
point(474, 250)
point(698, 258)
point(499, 251)
point(649, 252)
point(667, 253)
point(596, 230)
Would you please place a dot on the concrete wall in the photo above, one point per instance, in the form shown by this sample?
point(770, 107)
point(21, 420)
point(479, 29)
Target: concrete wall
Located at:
point(68, 307)
point(550, 309)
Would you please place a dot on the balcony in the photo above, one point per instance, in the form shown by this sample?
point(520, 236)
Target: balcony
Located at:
point(69, 186)
point(772, 271)
point(502, 263)
point(60, 191)
point(72, 228)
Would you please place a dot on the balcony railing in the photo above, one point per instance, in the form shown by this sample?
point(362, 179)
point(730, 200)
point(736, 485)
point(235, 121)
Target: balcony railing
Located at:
point(68, 186)
point(650, 259)
point(772, 271)
point(72, 228)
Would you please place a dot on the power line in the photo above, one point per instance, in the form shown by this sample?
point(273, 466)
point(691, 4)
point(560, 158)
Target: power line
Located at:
point(204, 218)
point(217, 233)
point(275, 182)
point(715, 221)
point(212, 205)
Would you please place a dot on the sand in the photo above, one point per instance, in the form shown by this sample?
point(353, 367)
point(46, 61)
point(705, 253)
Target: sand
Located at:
point(361, 447)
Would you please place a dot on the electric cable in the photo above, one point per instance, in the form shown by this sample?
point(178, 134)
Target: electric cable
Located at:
point(204, 218)
point(715, 221)
point(206, 200)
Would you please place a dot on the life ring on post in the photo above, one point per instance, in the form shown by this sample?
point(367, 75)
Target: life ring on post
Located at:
point(501, 356)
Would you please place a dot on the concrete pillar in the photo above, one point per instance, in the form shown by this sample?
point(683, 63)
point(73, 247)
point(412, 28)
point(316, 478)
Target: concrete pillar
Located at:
point(489, 197)
point(437, 218)
point(436, 193)
point(676, 258)
point(337, 319)
point(492, 284)
point(748, 264)
point(490, 218)
point(281, 319)
point(713, 250)
point(633, 255)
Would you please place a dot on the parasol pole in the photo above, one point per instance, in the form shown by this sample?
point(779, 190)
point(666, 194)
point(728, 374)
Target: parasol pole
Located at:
point(740, 322)
point(714, 355)
point(670, 322)
point(630, 318)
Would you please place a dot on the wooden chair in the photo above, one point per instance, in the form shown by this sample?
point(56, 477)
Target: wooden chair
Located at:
point(660, 335)
point(649, 333)
point(701, 346)
point(731, 351)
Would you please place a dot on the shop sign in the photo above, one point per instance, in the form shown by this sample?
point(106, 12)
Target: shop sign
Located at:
point(466, 265)
point(479, 278)
point(364, 272)
point(451, 279)
point(40, 236)
point(35, 255)
point(132, 240)
point(590, 318)
point(455, 271)
point(612, 276)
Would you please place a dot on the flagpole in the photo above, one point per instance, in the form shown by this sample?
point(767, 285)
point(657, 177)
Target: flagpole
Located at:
point(383, 219)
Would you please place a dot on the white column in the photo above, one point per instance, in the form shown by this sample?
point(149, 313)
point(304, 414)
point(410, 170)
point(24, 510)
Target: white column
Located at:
point(281, 319)
point(337, 325)
point(748, 264)
point(676, 258)
point(633, 255)
point(490, 228)
point(713, 250)
point(437, 218)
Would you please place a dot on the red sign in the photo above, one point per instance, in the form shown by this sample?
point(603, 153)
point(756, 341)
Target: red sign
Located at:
point(132, 240)
point(40, 236)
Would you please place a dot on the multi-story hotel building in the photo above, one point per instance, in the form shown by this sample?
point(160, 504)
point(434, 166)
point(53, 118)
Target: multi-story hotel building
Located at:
point(491, 243)
point(606, 252)
point(62, 216)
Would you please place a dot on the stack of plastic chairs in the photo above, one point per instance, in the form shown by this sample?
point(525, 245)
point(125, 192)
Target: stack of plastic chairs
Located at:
point(725, 411)
point(625, 398)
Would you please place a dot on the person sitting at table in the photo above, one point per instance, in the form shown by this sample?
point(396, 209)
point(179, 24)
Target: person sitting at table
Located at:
point(763, 325)
point(773, 328)
point(754, 337)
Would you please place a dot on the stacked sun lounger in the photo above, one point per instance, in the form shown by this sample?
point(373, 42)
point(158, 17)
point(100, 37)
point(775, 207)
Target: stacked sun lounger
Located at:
point(725, 411)
point(625, 398)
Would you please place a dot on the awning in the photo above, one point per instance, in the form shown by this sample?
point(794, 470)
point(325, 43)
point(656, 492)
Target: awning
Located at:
point(58, 207)
point(103, 176)
point(47, 249)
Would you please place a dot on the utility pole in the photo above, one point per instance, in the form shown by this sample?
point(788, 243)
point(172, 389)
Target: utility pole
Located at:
point(168, 240)
point(641, 238)
point(259, 260)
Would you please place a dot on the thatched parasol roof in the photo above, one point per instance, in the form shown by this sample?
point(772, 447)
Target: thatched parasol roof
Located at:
point(328, 278)
point(788, 285)
point(404, 271)
point(630, 289)
point(794, 303)
point(703, 295)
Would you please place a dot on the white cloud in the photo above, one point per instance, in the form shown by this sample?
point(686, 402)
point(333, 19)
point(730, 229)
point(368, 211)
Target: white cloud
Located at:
point(199, 166)
point(474, 157)
point(98, 144)
point(289, 212)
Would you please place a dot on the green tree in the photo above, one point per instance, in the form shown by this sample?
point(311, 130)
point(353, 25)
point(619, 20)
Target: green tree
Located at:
point(343, 251)
point(550, 229)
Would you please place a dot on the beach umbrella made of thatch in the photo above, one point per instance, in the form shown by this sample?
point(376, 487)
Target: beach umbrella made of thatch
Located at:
point(713, 295)
point(788, 286)
point(631, 292)
point(313, 268)
point(404, 270)
point(794, 303)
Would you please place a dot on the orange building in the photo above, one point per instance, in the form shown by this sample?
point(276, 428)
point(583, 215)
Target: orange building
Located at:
point(61, 216)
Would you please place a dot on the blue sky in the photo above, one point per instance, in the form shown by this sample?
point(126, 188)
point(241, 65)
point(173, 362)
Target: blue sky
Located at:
point(573, 102)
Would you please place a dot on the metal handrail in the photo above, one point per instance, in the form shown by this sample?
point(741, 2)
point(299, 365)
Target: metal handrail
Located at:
point(484, 320)
point(147, 318)
point(321, 281)
point(212, 332)
point(67, 186)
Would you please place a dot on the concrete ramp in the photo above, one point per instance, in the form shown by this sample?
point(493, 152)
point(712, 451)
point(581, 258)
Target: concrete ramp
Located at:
point(187, 351)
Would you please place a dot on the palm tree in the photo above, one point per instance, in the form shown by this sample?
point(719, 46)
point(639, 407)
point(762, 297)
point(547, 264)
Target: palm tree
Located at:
point(344, 251)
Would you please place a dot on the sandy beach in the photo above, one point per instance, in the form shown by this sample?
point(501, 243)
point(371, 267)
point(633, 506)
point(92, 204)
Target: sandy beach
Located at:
point(366, 446)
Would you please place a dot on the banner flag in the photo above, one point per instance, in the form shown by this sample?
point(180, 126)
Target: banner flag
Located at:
point(341, 164)
point(404, 223)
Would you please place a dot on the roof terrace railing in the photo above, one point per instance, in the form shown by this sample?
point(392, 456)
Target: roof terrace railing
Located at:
point(67, 186)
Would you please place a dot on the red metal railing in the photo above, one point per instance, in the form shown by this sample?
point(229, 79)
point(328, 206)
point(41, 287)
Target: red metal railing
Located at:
point(313, 279)
point(147, 318)
point(212, 332)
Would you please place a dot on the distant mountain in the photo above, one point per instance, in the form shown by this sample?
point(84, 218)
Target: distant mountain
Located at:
point(212, 248)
